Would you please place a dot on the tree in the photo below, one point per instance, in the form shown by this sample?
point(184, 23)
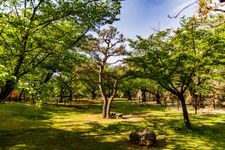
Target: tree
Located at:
point(89, 78)
point(166, 66)
point(32, 31)
point(130, 85)
point(109, 43)
point(207, 6)
point(174, 59)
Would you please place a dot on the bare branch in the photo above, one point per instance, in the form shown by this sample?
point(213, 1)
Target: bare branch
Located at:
point(182, 10)
point(219, 10)
point(115, 62)
point(17, 13)
point(35, 10)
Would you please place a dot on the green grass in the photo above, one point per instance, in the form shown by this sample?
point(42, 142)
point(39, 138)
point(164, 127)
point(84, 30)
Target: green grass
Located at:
point(81, 127)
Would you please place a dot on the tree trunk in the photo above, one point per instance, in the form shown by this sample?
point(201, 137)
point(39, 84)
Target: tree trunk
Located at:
point(111, 98)
point(33, 100)
point(143, 95)
point(127, 95)
point(104, 108)
point(48, 76)
point(178, 105)
point(109, 91)
point(70, 96)
point(158, 98)
point(93, 94)
point(201, 101)
point(185, 112)
point(6, 90)
point(195, 99)
point(165, 102)
point(61, 96)
point(20, 95)
point(102, 92)
point(214, 103)
point(165, 105)
point(108, 109)
point(196, 103)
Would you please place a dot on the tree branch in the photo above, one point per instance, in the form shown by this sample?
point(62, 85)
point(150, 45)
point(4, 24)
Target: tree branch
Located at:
point(182, 10)
point(220, 10)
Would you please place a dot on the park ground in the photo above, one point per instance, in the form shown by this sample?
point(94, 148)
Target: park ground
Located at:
point(80, 127)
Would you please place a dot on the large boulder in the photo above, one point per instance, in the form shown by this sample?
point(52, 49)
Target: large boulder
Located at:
point(143, 137)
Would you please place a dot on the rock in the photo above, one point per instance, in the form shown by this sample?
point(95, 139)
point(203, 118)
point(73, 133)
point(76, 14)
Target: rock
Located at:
point(116, 115)
point(143, 137)
point(112, 114)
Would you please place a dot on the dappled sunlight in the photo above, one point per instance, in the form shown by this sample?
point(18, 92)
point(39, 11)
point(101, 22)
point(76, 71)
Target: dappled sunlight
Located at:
point(18, 146)
point(85, 121)
point(19, 116)
point(167, 123)
point(72, 79)
point(82, 128)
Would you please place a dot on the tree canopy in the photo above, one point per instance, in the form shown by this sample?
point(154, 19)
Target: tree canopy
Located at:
point(34, 32)
point(176, 58)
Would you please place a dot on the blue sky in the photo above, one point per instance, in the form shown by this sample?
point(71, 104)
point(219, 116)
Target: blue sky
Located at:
point(138, 17)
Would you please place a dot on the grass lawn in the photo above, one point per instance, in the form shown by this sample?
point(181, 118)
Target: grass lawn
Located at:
point(81, 127)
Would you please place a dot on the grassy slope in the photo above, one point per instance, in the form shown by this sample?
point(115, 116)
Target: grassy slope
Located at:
point(82, 128)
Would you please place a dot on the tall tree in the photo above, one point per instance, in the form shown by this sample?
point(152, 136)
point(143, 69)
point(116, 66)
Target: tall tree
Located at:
point(32, 31)
point(109, 43)
point(175, 59)
point(164, 64)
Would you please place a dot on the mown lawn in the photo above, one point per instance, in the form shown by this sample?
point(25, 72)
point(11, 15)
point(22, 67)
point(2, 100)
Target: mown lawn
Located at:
point(80, 127)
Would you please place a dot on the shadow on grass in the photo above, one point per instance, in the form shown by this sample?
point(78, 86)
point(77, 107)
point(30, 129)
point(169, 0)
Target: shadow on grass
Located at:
point(207, 132)
point(121, 106)
point(207, 136)
point(80, 108)
point(37, 134)
point(213, 134)
point(127, 107)
point(122, 129)
point(112, 129)
point(27, 111)
point(49, 138)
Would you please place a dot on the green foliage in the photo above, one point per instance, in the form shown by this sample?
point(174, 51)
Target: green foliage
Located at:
point(132, 85)
point(177, 59)
point(180, 60)
point(47, 34)
point(162, 61)
point(4, 75)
